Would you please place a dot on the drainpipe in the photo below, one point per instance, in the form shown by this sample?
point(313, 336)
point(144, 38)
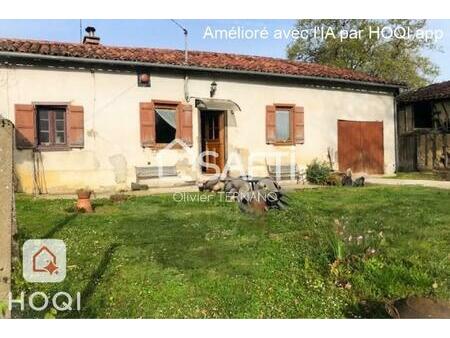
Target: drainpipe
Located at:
point(186, 62)
point(186, 77)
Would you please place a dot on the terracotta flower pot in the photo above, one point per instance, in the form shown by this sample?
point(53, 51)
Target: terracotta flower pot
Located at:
point(84, 200)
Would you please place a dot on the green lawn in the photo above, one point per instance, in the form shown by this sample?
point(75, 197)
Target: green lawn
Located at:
point(154, 258)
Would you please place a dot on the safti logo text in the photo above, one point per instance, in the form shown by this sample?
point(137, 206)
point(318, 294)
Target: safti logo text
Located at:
point(44, 260)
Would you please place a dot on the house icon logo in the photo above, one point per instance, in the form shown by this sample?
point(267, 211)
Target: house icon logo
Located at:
point(44, 260)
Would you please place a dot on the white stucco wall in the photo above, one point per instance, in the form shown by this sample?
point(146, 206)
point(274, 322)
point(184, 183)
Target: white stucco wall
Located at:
point(112, 141)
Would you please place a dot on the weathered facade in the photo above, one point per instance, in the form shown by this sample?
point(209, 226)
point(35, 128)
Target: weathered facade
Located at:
point(424, 128)
point(111, 121)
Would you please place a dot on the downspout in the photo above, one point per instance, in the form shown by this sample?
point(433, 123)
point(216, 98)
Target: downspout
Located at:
point(186, 61)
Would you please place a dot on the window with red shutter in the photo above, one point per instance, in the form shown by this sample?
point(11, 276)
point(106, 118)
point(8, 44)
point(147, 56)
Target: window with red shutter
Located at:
point(299, 125)
point(76, 126)
point(49, 127)
point(25, 125)
point(147, 123)
point(186, 124)
point(162, 121)
point(270, 125)
point(284, 124)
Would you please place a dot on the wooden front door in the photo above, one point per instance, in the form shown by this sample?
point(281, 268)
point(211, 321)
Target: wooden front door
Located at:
point(360, 146)
point(213, 139)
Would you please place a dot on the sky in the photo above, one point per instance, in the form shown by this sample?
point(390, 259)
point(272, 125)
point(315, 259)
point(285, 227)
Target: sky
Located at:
point(165, 34)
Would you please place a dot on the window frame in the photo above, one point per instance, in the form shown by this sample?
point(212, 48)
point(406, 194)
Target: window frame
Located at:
point(166, 104)
point(52, 146)
point(290, 107)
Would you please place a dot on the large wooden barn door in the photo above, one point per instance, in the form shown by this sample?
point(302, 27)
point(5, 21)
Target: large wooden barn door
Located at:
point(360, 146)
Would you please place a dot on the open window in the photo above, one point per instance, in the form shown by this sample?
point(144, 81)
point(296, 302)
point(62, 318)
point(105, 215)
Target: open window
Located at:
point(162, 122)
point(423, 115)
point(165, 124)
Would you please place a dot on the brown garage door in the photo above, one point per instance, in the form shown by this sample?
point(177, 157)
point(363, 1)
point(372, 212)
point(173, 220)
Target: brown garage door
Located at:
point(360, 146)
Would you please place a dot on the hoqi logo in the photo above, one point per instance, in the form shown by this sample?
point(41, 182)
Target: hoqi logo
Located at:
point(44, 260)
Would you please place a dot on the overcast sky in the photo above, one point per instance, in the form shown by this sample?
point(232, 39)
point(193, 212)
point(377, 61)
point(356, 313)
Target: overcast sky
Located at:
point(165, 34)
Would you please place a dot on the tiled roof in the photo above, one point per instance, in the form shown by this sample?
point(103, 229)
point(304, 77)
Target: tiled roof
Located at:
point(432, 92)
point(209, 60)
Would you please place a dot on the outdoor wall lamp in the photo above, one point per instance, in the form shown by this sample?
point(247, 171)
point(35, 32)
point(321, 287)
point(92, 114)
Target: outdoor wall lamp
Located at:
point(213, 89)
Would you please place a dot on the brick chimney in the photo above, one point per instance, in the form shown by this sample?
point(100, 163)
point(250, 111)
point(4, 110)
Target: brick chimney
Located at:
point(90, 38)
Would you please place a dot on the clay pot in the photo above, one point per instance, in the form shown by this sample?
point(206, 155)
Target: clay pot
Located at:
point(84, 200)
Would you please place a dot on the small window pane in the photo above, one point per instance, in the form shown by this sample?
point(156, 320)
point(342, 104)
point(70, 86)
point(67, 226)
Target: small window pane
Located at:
point(59, 125)
point(282, 125)
point(44, 137)
point(59, 115)
point(43, 125)
point(59, 138)
point(43, 114)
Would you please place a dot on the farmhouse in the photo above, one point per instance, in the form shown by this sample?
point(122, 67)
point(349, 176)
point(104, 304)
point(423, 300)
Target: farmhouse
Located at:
point(89, 115)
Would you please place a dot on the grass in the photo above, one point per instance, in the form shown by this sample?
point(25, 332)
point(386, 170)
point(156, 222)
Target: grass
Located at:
point(419, 175)
point(335, 253)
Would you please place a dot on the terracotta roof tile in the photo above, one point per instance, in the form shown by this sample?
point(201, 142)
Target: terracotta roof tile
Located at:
point(435, 91)
point(176, 57)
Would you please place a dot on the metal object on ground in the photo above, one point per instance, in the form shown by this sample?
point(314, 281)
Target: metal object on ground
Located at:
point(254, 195)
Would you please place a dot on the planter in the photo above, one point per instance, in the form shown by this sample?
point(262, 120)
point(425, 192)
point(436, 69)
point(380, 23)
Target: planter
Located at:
point(84, 200)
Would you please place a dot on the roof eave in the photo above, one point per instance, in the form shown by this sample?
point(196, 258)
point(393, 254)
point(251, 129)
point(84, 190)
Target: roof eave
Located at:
point(422, 99)
point(31, 56)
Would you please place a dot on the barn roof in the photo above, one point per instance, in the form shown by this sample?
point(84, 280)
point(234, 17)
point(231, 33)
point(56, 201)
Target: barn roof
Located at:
point(437, 91)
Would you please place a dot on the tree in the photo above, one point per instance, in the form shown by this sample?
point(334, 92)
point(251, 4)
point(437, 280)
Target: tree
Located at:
point(394, 59)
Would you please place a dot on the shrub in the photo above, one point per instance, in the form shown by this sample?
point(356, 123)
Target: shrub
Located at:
point(318, 172)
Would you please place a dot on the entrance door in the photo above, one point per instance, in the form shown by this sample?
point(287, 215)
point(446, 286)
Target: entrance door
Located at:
point(360, 146)
point(213, 138)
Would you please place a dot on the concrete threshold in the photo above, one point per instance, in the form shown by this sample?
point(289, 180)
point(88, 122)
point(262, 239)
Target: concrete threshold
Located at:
point(285, 185)
point(107, 194)
point(402, 182)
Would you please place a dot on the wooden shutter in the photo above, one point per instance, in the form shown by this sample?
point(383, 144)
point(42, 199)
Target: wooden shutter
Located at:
point(25, 123)
point(147, 123)
point(299, 125)
point(270, 125)
point(75, 125)
point(185, 125)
